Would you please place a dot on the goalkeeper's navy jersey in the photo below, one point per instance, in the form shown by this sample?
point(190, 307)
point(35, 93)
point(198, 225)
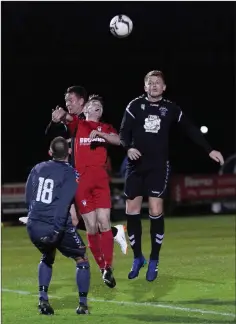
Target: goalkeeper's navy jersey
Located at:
point(50, 189)
point(146, 126)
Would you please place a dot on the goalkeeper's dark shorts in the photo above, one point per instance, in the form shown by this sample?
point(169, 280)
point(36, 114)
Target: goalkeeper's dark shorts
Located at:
point(149, 183)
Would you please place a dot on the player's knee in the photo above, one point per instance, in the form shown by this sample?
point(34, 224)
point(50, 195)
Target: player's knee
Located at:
point(105, 225)
point(90, 223)
point(81, 254)
point(48, 260)
point(156, 211)
point(92, 229)
point(133, 207)
point(81, 259)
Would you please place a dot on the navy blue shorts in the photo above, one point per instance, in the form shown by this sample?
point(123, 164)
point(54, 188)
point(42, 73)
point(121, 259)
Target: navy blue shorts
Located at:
point(71, 245)
point(150, 183)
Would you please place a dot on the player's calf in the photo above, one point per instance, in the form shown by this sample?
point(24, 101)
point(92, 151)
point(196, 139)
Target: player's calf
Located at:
point(107, 241)
point(45, 273)
point(83, 281)
point(157, 236)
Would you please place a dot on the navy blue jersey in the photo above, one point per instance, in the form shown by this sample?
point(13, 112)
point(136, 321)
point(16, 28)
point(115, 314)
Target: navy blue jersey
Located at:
point(146, 126)
point(50, 189)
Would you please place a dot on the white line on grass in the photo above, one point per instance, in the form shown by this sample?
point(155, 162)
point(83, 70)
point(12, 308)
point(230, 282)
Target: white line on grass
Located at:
point(127, 303)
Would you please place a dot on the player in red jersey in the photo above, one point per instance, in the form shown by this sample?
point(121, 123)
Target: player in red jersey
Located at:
point(93, 195)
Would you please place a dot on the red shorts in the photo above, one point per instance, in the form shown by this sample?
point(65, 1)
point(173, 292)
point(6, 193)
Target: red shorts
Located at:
point(93, 190)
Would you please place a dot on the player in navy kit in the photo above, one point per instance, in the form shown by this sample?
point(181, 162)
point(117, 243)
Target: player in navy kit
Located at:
point(50, 189)
point(144, 134)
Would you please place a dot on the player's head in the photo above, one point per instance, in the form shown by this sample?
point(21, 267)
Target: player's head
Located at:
point(59, 149)
point(75, 98)
point(154, 84)
point(93, 109)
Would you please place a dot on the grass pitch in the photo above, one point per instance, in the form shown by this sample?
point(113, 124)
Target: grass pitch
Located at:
point(196, 282)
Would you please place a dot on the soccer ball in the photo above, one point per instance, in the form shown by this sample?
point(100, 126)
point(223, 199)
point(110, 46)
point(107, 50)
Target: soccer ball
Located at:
point(121, 26)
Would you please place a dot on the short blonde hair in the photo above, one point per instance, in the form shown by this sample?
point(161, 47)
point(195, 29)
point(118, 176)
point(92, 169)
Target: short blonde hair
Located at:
point(154, 73)
point(91, 98)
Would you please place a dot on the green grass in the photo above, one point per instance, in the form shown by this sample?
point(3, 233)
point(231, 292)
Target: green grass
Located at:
point(197, 272)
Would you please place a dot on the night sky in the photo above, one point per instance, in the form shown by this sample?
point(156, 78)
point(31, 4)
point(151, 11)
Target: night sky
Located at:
point(49, 46)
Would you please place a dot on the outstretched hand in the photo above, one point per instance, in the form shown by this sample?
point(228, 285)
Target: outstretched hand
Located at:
point(217, 156)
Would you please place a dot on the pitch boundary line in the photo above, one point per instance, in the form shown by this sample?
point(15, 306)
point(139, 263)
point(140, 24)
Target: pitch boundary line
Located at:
point(127, 303)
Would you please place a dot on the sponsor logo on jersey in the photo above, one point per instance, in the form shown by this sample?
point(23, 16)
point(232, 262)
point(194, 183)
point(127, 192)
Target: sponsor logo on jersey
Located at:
point(87, 140)
point(152, 124)
point(163, 111)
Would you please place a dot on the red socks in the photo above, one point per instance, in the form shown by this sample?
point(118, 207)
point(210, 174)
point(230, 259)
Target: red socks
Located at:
point(101, 246)
point(107, 244)
point(95, 247)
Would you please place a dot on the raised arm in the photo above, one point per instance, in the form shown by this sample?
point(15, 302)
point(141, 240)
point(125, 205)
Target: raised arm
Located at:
point(56, 129)
point(71, 121)
point(126, 127)
point(197, 137)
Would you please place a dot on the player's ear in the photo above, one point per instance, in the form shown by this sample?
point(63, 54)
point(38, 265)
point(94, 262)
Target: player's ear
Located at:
point(70, 151)
point(81, 101)
point(164, 87)
point(50, 152)
point(145, 88)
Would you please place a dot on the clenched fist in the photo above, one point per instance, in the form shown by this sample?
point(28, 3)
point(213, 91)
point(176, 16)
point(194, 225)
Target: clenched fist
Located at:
point(58, 114)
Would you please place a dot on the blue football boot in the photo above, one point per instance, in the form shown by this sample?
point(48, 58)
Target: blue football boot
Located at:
point(152, 271)
point(138, 263)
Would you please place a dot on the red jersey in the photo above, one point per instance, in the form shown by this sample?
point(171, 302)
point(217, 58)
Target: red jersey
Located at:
point(89, 152)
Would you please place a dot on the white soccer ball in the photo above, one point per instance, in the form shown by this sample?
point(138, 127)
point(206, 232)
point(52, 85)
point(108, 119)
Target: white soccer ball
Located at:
point(121, 26)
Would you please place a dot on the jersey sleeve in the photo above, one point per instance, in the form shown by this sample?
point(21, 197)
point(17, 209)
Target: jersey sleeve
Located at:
point(73, 125)
point(56, 129)
point(127, 126)
point(191, 130)
point(68, 190)
point(110, 129)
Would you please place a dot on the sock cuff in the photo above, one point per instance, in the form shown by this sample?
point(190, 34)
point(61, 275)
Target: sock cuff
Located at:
point(92, 235)
point(43, 288)
point(83, 265)
point(107, 233)
point(129, 214)
point(156, 217)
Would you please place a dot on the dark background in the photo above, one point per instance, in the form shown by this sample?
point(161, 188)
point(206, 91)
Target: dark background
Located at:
point(48, 46)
